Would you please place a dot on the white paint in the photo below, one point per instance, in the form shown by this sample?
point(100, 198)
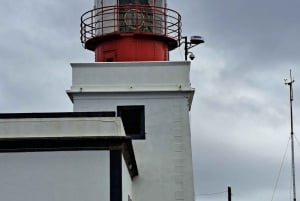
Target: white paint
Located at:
point(126, 182)
point(143, 76)
point(164, 159)
point(61, 127)
point(55, 176)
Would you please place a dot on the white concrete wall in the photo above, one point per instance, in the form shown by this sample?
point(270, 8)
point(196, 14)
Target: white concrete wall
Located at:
point(164, 158)
point(61, 127)
point(126, 182)
point(55, 176)
point(130, 76)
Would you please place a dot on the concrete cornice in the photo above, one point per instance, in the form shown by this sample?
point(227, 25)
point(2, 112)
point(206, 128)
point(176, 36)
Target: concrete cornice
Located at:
point(40, 144)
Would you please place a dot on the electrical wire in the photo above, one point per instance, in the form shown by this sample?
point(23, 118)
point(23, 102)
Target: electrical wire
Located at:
point(298, 143)
point(212, 194)
point(297, 140)
point(280, 169)
point(291, 185)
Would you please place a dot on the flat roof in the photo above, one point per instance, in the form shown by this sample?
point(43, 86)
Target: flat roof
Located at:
point(56, 115)
point(66, 131)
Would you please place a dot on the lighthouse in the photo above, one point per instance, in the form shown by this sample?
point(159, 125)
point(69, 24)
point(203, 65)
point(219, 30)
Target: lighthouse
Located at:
point(133, 77)
point(128, 137)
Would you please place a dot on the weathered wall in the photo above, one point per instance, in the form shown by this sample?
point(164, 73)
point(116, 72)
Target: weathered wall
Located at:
point(164, 158)
point(55, 176)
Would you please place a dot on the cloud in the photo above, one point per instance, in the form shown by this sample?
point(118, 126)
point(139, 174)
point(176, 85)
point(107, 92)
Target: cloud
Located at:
point(240, 113)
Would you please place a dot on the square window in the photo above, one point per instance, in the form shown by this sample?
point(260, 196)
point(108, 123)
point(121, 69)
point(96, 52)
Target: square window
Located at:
point(133, 118)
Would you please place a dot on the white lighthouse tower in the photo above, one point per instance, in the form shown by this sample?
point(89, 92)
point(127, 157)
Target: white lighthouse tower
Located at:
point(128, 138)
point(133, 76)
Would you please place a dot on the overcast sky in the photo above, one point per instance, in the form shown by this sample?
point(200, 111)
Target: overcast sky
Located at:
point(240, 112)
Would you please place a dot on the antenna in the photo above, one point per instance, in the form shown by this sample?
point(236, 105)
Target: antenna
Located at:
point(290, 83)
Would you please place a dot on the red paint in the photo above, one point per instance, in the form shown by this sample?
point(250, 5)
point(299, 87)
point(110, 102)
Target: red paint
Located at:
point(131, 48)
point(130, 32)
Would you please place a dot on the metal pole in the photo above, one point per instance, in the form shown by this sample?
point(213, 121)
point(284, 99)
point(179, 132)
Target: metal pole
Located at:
point(229, 193)
point(290, 83)
point(185, 48)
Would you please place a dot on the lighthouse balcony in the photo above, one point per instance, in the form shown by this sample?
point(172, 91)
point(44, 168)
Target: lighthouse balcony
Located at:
point(101, 24)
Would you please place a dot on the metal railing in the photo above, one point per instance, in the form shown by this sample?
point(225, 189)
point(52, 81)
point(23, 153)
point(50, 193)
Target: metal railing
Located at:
point(139, 19)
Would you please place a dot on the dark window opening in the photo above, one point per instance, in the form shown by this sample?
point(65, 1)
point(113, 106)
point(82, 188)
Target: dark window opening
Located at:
point(133, 118)
point(109, 55)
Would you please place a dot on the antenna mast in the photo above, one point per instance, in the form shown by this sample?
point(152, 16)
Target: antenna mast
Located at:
point(290, 83)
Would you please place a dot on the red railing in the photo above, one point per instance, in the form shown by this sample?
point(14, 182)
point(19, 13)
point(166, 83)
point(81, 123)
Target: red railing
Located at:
point(139, 19)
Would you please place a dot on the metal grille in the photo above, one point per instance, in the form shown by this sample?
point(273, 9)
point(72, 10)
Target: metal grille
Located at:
point(141, 19)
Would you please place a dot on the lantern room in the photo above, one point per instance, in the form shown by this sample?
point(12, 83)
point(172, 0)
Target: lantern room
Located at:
point(130, 30)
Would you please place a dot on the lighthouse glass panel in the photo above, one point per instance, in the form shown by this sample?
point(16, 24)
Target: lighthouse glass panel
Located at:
point(159, 17)
point(141, 2)
point(157, 3)
point(105, 16)
point(131, 15)
point(101, 3)
point(142, 16)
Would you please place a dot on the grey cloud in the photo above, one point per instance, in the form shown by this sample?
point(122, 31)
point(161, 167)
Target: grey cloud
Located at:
point(240, 113)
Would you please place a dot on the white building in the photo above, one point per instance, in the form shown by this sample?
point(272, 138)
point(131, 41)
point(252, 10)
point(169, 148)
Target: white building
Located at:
point(129, 135)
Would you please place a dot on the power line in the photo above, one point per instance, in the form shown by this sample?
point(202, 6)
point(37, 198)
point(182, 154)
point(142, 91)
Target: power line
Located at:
point(212, 194)
point(297, 140)
point(280, 169)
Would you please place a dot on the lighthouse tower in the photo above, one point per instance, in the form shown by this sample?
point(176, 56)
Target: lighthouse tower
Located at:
point(133, 77)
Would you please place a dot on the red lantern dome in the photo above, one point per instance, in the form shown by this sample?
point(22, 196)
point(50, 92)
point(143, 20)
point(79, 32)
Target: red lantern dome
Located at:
point(130, 30)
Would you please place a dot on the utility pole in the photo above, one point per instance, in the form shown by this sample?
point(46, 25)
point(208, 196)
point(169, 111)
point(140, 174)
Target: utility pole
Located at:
point(229, 193)
point(290, 83)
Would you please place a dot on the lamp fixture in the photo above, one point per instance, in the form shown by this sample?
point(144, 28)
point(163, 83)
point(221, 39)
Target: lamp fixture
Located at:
point(194, 41)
